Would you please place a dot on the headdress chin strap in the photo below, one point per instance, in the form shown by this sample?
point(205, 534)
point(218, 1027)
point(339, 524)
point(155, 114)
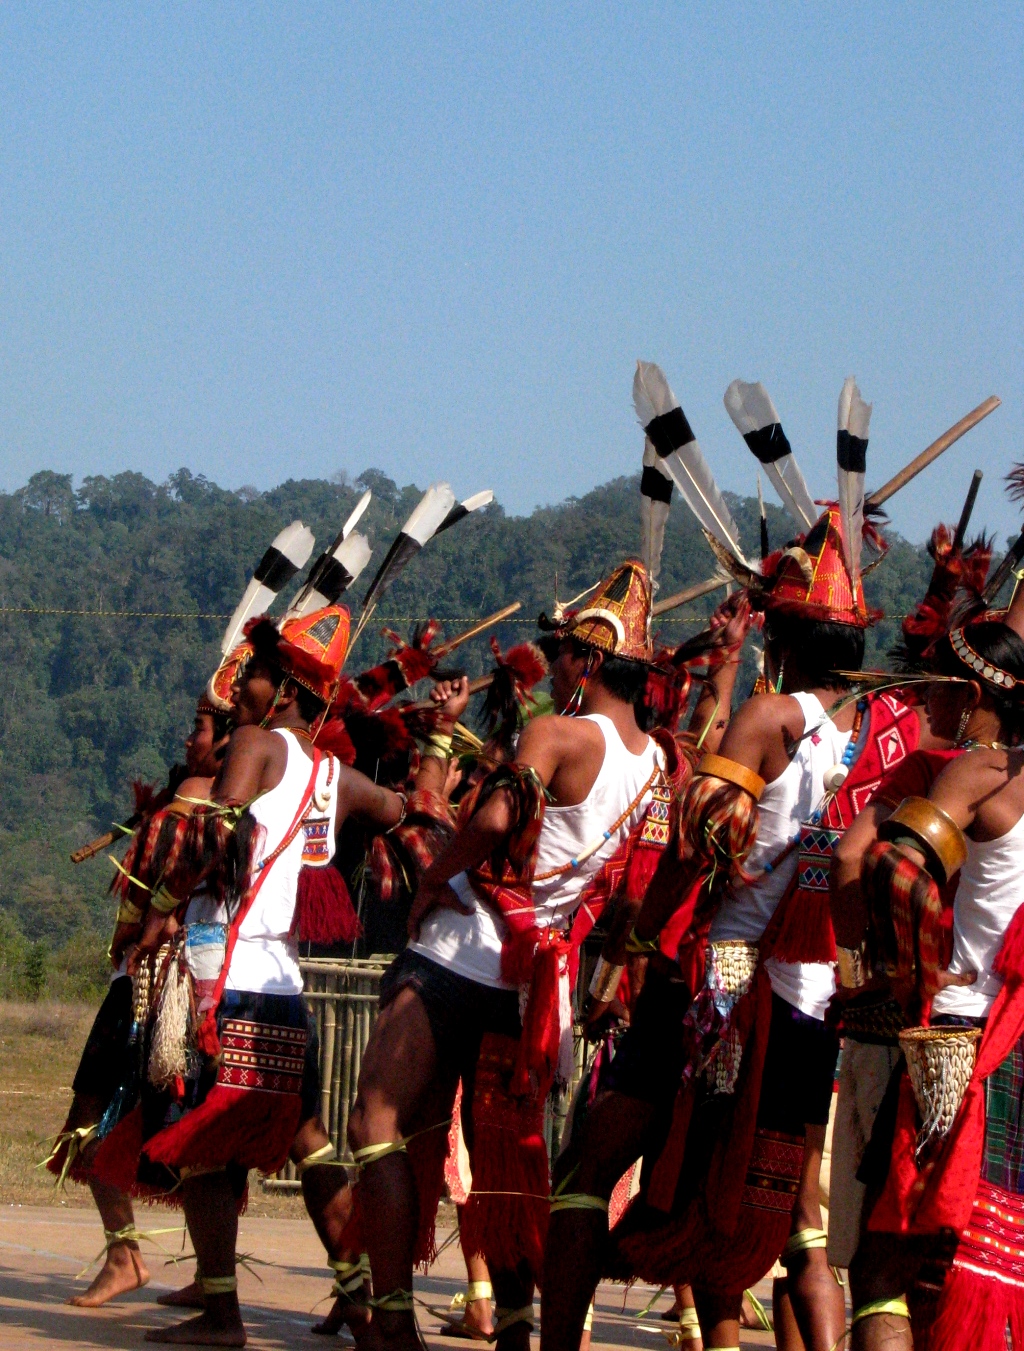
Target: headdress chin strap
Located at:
point(265, 720)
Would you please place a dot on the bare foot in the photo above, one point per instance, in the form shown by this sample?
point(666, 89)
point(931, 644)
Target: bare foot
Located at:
point(123, 1270)
point(344, 1313)
point(201, 1331)
point(477, 1323)
point(188, 1297)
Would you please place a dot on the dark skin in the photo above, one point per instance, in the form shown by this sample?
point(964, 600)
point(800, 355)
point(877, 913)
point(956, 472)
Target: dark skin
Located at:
point(762, 736)
point(399, 1079)
point(983, 791)
point(123, 1266)
point(254, 763)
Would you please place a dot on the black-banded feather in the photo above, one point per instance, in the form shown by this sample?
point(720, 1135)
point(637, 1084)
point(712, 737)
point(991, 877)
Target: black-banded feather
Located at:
point(464, 509)
point(679, 456)
point(854, 419)
point(424, 522)
point(288, 552)
point(755, 418)
point(326, 580)
point(655, 503)
point(766, 546)
point(332, 575)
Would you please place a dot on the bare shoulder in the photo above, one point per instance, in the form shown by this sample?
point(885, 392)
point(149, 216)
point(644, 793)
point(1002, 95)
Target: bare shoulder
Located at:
point(551, 732)
point(766, 713)
point(976, 771)
point(190, 792)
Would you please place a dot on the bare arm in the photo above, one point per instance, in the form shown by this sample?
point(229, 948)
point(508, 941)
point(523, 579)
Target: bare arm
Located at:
point(730, 623)
point(849, 912)
point(541, 747)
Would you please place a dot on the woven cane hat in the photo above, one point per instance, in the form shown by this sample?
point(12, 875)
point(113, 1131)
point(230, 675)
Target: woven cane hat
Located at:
point(811, 580)
point(216, 698)
point(309, 649)
point(617, 618)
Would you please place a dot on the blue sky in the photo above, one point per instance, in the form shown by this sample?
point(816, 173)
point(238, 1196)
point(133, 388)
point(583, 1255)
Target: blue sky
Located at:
point(270, 241)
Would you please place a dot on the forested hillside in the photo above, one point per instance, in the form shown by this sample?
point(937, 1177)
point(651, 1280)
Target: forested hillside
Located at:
point(91, 702)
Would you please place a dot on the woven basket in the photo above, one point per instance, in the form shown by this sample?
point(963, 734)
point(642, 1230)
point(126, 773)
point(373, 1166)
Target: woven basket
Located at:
point(940, 1062)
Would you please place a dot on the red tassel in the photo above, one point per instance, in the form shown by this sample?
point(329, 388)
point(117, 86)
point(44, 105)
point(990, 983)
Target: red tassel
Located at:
point(506, 1216)
point(116, 1160)
point(323, 908)
point(537, 1057)
point(973, 1312)
point(804, 928)
point(249, 1127)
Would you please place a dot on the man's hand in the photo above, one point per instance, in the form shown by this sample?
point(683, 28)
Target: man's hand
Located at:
point(450, 698)
point(730, 622)
point(600, 1015)
point(124, 936)
point(433, 896)
point(158, 929)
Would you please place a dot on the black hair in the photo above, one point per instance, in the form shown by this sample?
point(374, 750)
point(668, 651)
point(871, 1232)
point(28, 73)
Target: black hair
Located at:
point(309, 706)
point(819, 647)
point(222, 725)
point(622, 678)
point(999, 645)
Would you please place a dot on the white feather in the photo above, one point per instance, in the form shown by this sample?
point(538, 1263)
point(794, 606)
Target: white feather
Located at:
point(356, 516)
point(479, 500)
point(686, 466)
point(429, 512)
point(854, 418)
point(353, 554)
point(295, 541)
point(751, 408)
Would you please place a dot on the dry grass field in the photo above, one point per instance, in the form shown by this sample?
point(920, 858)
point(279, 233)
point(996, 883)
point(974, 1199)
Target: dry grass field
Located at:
point(40, 1045)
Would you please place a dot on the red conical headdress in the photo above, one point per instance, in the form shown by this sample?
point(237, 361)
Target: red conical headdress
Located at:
point(812, 580)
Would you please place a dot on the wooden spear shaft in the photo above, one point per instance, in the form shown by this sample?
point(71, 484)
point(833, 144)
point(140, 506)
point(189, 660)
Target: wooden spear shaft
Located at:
point(478, 627)
point(932, 452)
point(689, 593)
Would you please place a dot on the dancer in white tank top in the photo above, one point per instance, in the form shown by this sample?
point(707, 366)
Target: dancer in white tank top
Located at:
point(470, 944)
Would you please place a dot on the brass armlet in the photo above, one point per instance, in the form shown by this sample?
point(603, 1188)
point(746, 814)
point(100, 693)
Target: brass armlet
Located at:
point(163, 902)
point(935, 833)
point(853, 968)
point(605, 981)
point(732, 772)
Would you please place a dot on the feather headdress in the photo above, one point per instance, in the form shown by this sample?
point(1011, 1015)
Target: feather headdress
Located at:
point(754, 416)
point(289, 551)
point(851, 456)
point(337, 568)
point(671, 451)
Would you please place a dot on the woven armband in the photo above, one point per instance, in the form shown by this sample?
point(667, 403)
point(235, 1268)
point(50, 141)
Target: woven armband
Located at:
point(932, 831)
point(853, 969)
point(128, 913)
point(163, 902)
point(732, 772)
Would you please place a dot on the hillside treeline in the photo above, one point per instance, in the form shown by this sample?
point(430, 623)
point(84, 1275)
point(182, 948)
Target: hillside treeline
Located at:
point(92, 702)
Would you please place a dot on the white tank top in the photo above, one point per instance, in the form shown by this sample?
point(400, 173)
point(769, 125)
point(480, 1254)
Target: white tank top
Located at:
point(266, 958)
point(986, 901)
point(786, 803)
point(470, 944)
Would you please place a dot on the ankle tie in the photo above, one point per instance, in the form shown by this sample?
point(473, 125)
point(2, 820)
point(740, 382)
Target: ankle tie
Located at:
point(896, 1307)
point(478, 1290)
point(509, 1317)
point(802, 1241)
point(689, 1325)
point(395, 1301)
point(588, 1322)
point(349, 1277)
point(218, 1285)
point(325, 1157)
point(760, 1312)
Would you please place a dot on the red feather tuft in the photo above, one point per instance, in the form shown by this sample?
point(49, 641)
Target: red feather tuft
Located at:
point(333, 739)
point(515, 675)
point(1015, 479)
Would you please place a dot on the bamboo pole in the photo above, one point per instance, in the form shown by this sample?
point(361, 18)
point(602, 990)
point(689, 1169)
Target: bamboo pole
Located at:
point(968, 509)
point(688, 593)
point(932, 452)
point(478, 627)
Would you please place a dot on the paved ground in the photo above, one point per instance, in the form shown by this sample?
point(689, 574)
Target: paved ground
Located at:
point(42, 1248)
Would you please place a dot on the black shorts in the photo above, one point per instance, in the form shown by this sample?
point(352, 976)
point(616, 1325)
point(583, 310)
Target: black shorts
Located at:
point(104, 1065)
point(799, 1071)
point(459, 1010)
point(648, 1063)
